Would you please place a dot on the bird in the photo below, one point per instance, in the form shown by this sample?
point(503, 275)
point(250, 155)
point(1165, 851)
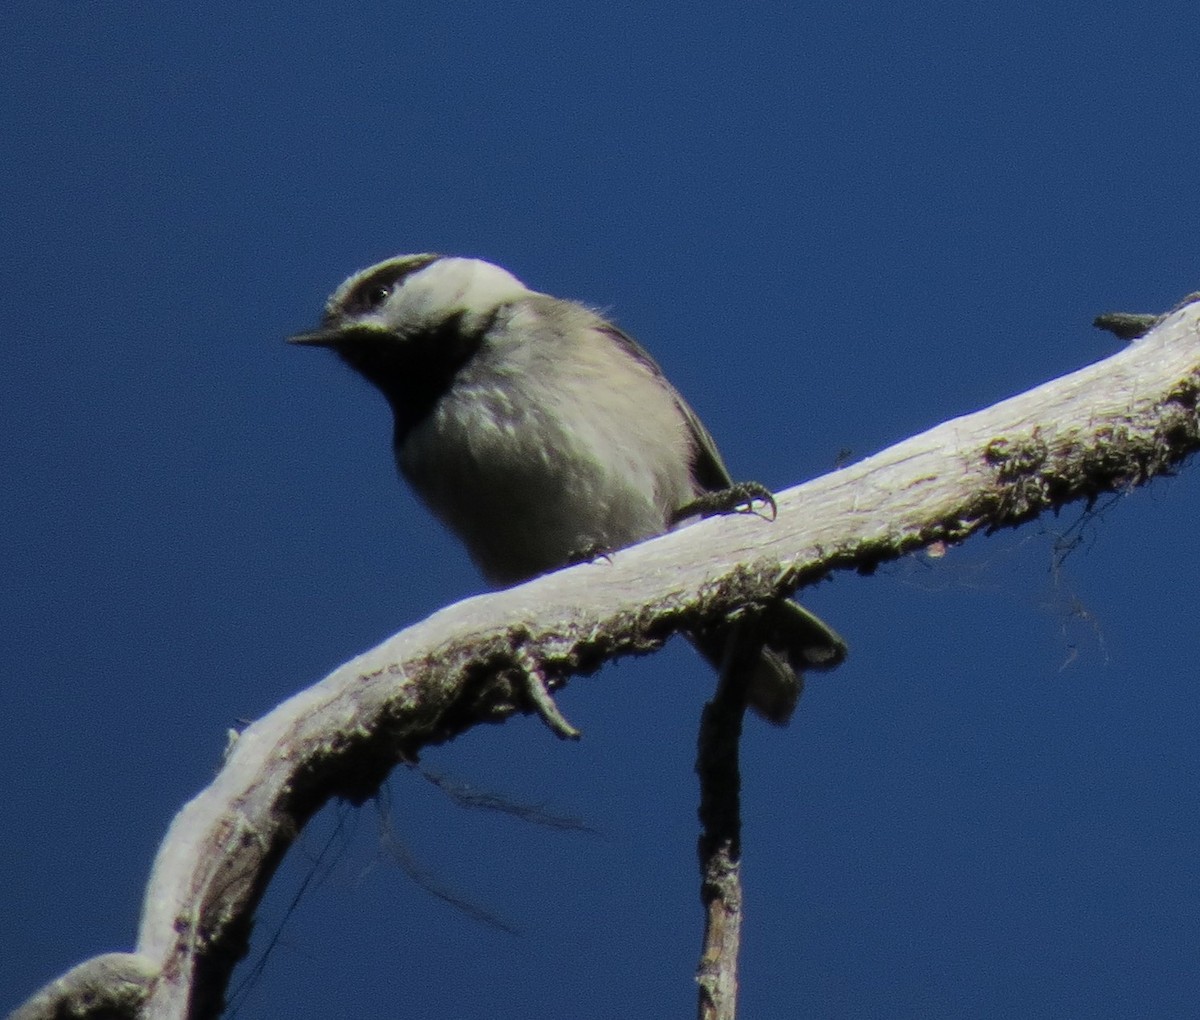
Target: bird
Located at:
point(542, 435)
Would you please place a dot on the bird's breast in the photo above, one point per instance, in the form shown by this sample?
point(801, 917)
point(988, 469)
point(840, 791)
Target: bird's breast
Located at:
point(534, 477)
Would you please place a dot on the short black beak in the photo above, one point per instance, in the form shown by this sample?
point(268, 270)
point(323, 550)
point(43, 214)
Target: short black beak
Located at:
point(317, 338)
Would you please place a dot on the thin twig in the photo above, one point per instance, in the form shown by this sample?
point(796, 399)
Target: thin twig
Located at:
point(720, 844)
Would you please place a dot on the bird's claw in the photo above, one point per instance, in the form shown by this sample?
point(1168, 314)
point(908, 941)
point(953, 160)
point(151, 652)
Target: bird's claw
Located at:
point(740, 497)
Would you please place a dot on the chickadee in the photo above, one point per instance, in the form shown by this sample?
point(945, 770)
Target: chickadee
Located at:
point(540, 433)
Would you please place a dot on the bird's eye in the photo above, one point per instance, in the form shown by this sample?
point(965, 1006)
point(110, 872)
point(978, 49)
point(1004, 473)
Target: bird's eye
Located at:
point(377, 295)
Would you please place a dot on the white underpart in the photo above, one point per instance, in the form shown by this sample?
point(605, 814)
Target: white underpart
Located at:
point(550, 444)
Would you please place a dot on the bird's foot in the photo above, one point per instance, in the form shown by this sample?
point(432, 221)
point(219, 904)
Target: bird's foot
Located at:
point(741, 497)
point(589, 554)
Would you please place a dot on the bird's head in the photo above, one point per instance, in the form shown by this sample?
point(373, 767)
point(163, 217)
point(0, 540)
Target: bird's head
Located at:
point(408, 324)
point(411, 295)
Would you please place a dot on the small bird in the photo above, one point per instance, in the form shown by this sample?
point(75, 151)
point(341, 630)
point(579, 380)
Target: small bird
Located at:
point(542, 435)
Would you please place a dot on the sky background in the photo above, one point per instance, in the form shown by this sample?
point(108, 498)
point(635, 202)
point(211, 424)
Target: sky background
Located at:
point(835, 226)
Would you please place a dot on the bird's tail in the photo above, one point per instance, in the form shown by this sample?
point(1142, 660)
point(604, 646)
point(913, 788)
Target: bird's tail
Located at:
point(794, 640)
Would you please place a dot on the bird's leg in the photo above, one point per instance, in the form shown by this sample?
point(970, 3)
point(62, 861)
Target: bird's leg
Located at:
point(740, 497)
point(589, 554)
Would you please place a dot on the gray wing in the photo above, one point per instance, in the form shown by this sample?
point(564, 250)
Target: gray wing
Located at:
point(708, 469)
point(795, 638)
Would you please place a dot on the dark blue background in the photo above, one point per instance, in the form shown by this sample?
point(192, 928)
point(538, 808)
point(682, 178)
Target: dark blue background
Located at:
point(834, 225)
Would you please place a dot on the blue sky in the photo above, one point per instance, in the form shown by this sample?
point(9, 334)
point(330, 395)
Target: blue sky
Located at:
point(834, 226)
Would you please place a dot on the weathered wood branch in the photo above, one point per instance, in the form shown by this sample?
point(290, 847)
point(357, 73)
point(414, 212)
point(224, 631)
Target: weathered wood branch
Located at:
point(1108, 427)
point(718, 764)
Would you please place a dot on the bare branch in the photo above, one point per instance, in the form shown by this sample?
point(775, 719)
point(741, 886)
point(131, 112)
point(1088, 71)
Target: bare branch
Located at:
point(720, 845)
point(1108, 427)
point(110, 986)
